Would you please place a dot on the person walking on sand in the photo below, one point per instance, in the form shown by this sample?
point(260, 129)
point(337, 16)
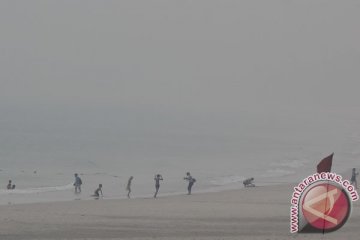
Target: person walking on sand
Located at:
point(77, 183)
point(191, 181)
point(128, 187)
point(157, 179)
point(353, 178)
point(98, 191)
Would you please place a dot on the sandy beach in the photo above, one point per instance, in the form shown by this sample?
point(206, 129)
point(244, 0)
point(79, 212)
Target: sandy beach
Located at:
point(252, 213)
point(224, 90)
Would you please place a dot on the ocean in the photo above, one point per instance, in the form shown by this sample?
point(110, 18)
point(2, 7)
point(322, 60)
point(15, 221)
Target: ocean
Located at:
point(41, 148)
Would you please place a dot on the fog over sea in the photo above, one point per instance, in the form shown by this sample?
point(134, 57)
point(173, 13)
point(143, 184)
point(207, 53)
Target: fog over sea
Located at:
point(224, 89)
point(41, 149)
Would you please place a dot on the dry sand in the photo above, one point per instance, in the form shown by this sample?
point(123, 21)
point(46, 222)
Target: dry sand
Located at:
point(253, 213)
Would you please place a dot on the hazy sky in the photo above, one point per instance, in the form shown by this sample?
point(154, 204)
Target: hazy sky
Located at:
point(90, 80)
point(181, 55)
point(186, 67)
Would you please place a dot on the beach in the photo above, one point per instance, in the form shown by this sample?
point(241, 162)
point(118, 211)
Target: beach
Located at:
point(246, 213)
point(225, 90)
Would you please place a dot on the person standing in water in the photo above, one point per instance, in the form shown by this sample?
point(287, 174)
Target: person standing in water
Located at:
point(98, 191)
point(9, 186)
point(353, 178)
point(191, 181)
point(128, 187)
point(157, 179)
point(77, 183)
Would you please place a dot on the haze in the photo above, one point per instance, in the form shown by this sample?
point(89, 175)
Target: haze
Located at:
point(194, 68)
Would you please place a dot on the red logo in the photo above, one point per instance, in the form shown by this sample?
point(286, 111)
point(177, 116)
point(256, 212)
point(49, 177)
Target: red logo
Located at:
point(325, 207)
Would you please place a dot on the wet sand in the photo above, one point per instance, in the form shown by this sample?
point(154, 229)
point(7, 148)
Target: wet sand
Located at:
point(252, 213)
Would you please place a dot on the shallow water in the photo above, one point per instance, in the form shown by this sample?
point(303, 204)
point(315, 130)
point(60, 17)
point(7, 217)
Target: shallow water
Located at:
point(42, 149)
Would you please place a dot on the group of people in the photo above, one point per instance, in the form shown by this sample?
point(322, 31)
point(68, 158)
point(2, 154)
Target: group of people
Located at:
point(158, 177)
point(10, 186)
point(78, 183)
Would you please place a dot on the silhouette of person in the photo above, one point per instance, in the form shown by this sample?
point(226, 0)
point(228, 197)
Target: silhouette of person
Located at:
point(77, 183)
point(249, 182)
point(353, 178)
point(157, 179)
point(128, 187)
point(9, 186)
point(98, 191)
point(191, 181)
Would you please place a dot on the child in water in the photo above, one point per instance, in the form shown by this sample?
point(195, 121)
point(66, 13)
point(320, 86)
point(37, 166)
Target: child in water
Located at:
point(98, 191)
point(9, 186)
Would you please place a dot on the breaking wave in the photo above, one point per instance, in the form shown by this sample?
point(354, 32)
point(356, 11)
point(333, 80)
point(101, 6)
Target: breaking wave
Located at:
point(221, 181)
point(37, 190)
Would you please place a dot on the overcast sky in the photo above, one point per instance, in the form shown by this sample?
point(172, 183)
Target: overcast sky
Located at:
point(94, 80)
point(181, 56)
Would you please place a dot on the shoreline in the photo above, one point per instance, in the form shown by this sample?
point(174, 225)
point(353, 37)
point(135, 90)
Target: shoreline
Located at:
point(149, 196)
point(88, 197)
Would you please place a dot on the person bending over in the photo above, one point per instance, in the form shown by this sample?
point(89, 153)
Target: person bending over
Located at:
point(191, 181)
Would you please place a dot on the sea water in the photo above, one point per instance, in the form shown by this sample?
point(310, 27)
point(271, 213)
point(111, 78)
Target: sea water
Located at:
point(42, 148)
